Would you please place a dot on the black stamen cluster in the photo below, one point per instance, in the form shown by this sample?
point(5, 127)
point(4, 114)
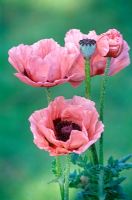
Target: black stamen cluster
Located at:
point(63, 129)
point(87, 42)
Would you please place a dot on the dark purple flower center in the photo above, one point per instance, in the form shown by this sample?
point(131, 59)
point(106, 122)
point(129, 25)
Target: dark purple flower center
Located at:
point(63, 129)
point(87, 42)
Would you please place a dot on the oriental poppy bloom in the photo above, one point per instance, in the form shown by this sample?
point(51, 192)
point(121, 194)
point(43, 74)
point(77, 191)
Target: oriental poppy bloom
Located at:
point(111, 44)
point(45, 64)
point(66, 126)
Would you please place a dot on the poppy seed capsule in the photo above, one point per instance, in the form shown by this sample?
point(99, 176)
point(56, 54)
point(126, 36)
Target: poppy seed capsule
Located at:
point(87, 47)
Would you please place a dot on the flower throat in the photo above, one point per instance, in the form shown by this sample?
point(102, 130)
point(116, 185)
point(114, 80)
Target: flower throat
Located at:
point(63, 129)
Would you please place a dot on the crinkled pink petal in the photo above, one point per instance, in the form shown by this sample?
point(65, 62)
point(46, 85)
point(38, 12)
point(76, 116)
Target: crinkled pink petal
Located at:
point(97, 135)
point(44, 47)
point(44, 129)
point(19, 56)
point(98, 131)
point(56, 82)
point(75, 83)
point(92, 35)
point(83, 102)
point(59, 151)
point(72, 48)
point(59, 63)
point(28, 81)
point(77, 71)
point(98, 64)
point(120, 62)
point(87, 114)
point(73, 36)
point(56, 107)
point(50, 136)
point(72, 112)
point(92, 124)
point(39, 139)
point(37, 116)
point(77, 140)
point(103, 45)
point(37, 69)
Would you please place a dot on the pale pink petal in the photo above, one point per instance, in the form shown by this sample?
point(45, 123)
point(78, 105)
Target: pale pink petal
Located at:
point(28, 81)
point(73, 36)
point(122, 61)
point(77, 71)
point(59, 151)
point(92, 124)
point(75, 83)
point(77, 140)
point(57, 106)
point(44, 47)
point(99, 130)
point(72, 113)
point(96, 136)
point(92, 35)
point(98, 64)
point(42, 116)
point(50, 136)
point(56, 82)
point(87, 114)
point(81, 101)
point(39, 139)
point(37, 116)
point(18, 56)
point(72, 48)
point(103, 45)
point(37, 69)
point(59, 63)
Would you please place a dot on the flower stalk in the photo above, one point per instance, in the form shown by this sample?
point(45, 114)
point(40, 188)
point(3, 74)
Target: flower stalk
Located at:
point(67, 172)
point(102, 101)
point(48, 94)
point(87, 80)
point(59, 175)
point(92, 150)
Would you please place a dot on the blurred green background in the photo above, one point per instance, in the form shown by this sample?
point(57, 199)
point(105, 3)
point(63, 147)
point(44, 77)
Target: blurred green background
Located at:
point(24, 169)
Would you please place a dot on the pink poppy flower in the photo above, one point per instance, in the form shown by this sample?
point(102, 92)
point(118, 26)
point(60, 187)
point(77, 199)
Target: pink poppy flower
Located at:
point(72, 40)
point(45, 64)
point(109, 44)
point(66, 126)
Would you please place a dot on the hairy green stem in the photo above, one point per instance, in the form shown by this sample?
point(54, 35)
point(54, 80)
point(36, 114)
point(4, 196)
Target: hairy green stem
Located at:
point(87, 80)
point(92, 150)
point(59, 176)
point(102, 100)
point(58, 162)
point(48, 94)
point(67, 172)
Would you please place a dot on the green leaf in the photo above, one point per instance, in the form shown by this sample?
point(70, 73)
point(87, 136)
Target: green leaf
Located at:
point(126, 158)
point(104, 182)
